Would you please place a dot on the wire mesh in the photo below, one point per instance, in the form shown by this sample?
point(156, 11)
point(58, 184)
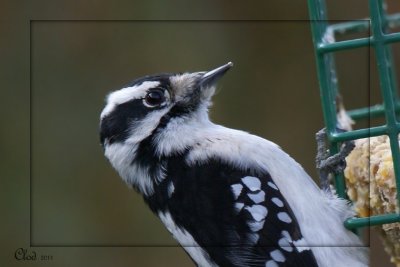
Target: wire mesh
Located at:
point(379, 40)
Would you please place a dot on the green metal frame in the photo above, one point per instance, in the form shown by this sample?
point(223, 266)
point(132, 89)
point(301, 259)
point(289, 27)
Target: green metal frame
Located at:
point(380, 41)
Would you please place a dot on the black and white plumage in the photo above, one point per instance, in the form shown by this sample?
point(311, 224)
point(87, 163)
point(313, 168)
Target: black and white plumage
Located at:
point(229, 198)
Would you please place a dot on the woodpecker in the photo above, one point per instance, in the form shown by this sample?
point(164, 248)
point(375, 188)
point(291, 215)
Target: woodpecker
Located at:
point(228, 197)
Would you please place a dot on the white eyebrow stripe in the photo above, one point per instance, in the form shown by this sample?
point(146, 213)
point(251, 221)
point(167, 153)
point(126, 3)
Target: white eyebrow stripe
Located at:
point(126, 94)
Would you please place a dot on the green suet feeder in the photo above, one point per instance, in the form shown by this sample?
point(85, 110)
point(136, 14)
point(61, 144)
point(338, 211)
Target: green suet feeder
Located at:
point(379, 40)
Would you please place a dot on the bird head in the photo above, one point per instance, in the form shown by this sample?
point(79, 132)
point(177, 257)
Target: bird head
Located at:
point(134, 112)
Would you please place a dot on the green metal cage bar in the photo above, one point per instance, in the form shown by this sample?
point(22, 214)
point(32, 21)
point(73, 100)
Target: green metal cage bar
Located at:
point(379, 40)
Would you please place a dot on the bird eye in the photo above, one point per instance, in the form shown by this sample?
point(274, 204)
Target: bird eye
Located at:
point(154, 98)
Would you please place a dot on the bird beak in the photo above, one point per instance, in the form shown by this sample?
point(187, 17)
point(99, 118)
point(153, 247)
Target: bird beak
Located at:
point(212, 76)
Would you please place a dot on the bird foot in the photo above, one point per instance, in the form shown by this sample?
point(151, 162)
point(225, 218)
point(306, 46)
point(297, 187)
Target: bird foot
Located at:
point(326, 164)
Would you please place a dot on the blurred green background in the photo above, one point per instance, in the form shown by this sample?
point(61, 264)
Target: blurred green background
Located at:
point(57, 68)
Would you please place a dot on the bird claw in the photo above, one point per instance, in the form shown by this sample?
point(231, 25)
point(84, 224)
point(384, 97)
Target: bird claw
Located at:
point(328, 165)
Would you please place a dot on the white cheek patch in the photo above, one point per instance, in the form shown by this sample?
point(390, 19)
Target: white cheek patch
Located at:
point(126, 94)
point(182, 132)
point(143, 128)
